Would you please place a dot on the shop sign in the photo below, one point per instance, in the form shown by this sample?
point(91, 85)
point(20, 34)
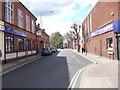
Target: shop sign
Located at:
point(103, 30)
point(116, 26)
point(13, 31)
point(39, 32)
point(2, 28)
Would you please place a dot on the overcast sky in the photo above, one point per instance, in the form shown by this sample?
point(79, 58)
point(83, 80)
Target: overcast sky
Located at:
point(65, 12)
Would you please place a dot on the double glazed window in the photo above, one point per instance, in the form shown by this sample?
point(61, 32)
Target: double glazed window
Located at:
point(9, 12)
point(20, 18)
point(109, 43)
point(27, 23)
point(9, 44)
point(33, 26)
point(21, 44)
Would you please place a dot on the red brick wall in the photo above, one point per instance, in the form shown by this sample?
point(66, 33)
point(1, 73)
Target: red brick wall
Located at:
point(101, 14)
point(30, 35)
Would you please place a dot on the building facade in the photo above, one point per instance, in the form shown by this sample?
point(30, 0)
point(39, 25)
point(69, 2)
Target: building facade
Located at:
point(20, 32)
point(98, 30)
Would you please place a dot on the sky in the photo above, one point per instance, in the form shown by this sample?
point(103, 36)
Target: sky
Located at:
point(65, 13)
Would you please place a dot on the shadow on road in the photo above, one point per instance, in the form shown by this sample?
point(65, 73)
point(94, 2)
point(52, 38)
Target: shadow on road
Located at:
point(47, 72)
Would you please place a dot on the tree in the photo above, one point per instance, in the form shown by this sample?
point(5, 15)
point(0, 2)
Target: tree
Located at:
point(56, 39)
point(69, 38)
point(76, 33)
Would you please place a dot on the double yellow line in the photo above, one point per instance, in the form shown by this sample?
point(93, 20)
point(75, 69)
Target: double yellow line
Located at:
point(75, 77)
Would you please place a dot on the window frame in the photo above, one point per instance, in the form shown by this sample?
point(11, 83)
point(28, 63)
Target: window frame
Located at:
point(19, 49)
point(109, 43)
point(9, 12)
point(27, 23)
point(33, 26)
point(9, 47)
point(20, 18)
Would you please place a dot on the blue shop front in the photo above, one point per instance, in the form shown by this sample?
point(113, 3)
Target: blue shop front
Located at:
point(116, 28)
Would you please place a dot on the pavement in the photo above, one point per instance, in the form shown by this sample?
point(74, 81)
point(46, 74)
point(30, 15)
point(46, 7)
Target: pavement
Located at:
point(104, 74)
point(18, 63)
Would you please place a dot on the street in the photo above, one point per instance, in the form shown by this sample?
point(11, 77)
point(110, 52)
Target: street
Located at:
point(52, 71)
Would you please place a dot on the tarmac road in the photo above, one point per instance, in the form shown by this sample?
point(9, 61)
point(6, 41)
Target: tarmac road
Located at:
point(52, 71)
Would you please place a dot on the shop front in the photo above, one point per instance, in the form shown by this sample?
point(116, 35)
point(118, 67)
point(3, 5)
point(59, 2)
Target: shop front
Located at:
point(14, 43)
point(117, 34)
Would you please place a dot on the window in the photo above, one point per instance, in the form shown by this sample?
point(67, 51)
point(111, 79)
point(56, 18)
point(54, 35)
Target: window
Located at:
point(109, 43)
point(90, 22)
point(9, 44)
point(28, 44)
point(21, 44)
point(9, 12)
point(20, 18)
point(33, 27)
point(27, 23)
point(33, 45)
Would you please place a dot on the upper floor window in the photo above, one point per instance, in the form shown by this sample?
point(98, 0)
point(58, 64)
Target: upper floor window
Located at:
point(33, 26)
point(27, 23)
point(20, 18)
point(90, 22)
point(9, 12)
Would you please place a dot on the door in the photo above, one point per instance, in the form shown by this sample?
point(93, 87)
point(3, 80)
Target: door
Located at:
point(100, 47)
point(118, 48)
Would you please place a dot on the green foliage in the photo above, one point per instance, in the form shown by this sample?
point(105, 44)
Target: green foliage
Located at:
point(56, 39)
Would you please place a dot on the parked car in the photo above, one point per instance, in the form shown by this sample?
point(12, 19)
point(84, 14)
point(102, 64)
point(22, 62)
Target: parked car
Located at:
point(53, 49)
point(46, 51)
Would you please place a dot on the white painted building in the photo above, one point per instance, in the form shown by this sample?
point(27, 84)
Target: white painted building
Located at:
point(2, 38)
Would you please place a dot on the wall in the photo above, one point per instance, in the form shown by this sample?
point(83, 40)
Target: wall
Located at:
point(101, 16)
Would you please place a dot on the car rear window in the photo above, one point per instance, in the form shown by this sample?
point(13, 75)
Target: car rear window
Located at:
point(45, 48)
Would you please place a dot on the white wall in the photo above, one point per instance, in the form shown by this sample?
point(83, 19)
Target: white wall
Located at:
point(2, 42)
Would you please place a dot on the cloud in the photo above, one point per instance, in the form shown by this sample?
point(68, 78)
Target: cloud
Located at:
point(65, 12)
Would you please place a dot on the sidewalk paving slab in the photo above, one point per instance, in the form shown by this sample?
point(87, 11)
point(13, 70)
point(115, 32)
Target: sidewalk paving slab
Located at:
point(13, 64)
point(104, 74)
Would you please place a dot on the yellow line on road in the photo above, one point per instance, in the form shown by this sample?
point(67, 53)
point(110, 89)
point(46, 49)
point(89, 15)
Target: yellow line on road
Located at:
point(89, 59)
point(75, 77)
point(2, 73)
point(75, 58)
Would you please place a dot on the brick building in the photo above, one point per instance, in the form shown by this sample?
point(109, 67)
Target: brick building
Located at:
point(42, 39)
point(98, 30)
point(20, 31)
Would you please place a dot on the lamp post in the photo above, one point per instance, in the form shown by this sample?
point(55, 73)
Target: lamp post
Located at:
point(41, 17)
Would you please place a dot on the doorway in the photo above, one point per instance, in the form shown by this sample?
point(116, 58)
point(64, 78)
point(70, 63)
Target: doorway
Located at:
point(100, 47)
point(118, 49)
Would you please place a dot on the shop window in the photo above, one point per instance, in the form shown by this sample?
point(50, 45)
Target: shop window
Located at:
point(9, 44)
point(21, 44)
point(20, 18)
point(33, 45)
point(9, 17)
point(109, 43)
point(28, 45)
point(27, 23)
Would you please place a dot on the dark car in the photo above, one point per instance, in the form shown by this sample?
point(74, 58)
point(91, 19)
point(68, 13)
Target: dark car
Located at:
point(53, 49)
point(46, 51)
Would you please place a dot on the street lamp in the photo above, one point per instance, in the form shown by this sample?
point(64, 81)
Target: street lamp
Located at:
point(41, 17)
